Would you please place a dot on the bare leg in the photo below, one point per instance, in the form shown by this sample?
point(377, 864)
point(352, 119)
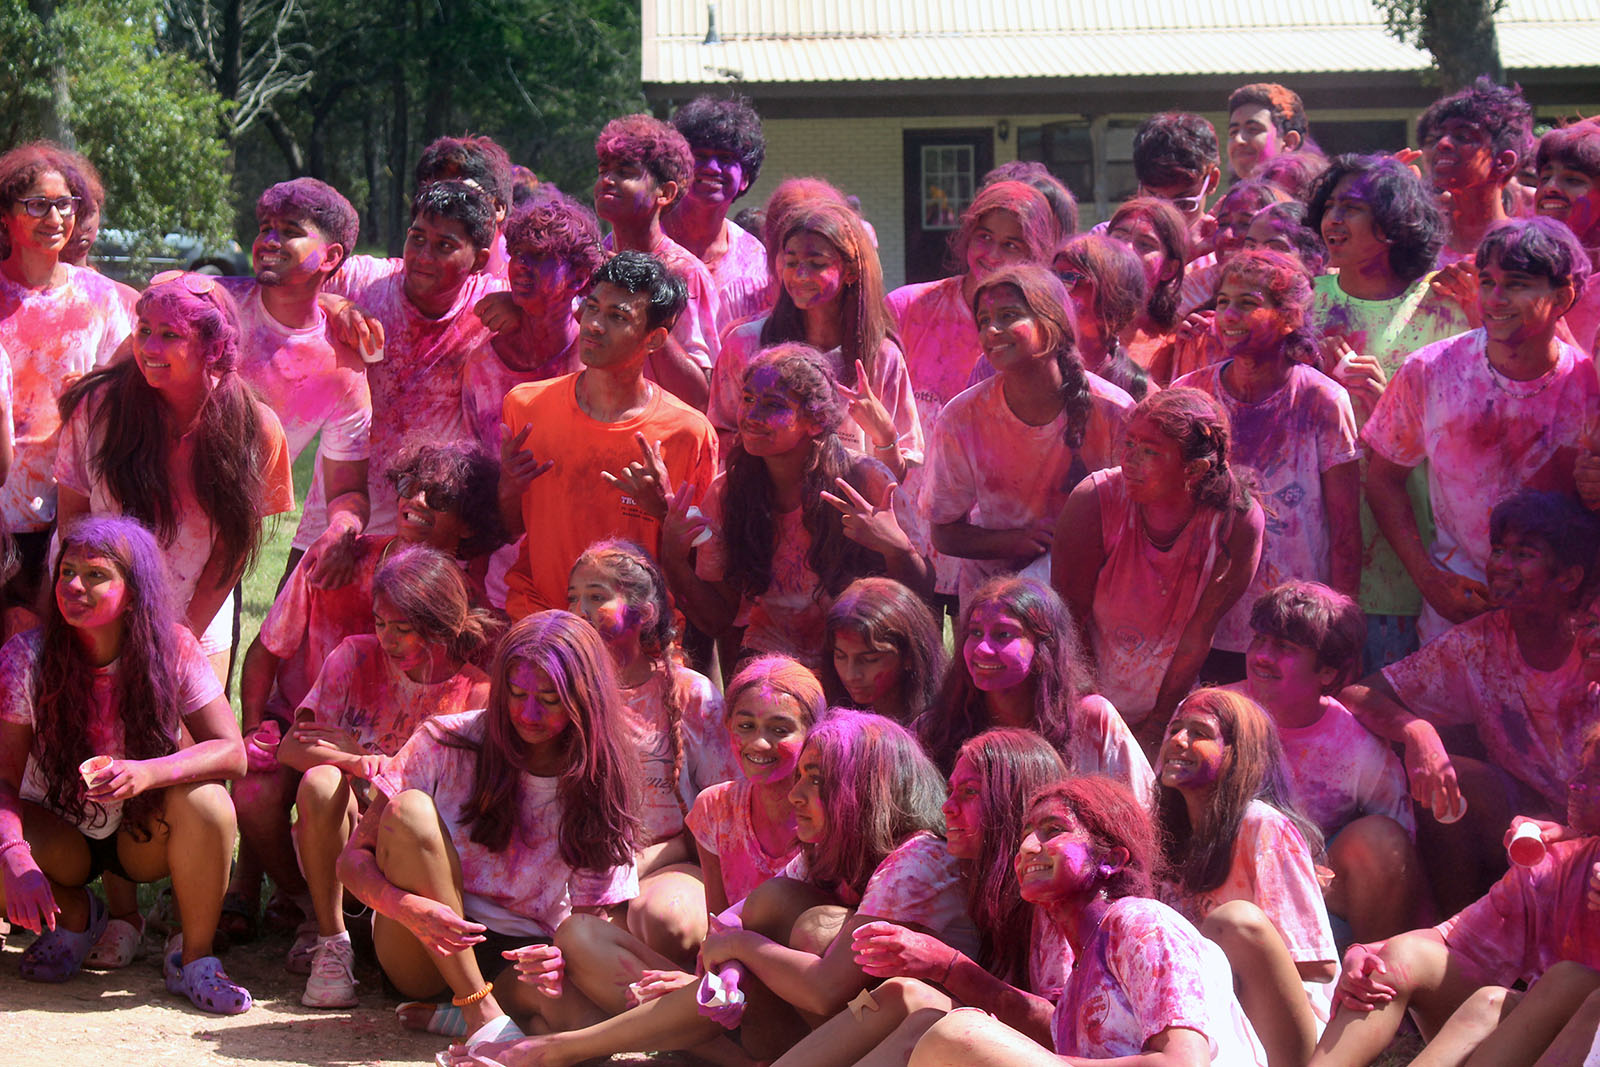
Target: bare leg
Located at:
point(1466, 1029)
point(1378, 886)
point(122, 898)
point(263, 801)
point(971, 1038)
point(193, 841)
point(848, 1037)
point(669, 914)
point(1426, 980)
point(1540, 1018)
point(1463, 859)
point(1268, 984)
point(62, 854)
point(603, 960)
point(1577, 1039)
point(327, 817)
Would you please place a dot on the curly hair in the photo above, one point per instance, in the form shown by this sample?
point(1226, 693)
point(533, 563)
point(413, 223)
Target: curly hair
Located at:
point(1027, 205)
point(426, 587)
point(751, 529)
point(146, 687)
point(725, 124)
point(1162, 304)
point(1061, 673)
point(317, 203)
point(1311, 615)
point(866, 319)
point(1199, 857)
point(557, 227)
point(458, 202)
point(1172, 148)
point(136, 433)
point(650, 143)
point(1113, 819)
point(1539, 246)
point(1047, 299)
point(23, 165)
point(878, 790)
point(1404, 209)
point(476, 160)
point(599, 782)
point(1570, 530)
point(885, 614)
point(1012, 765)
point(640, 272)
point(1287, 286)
point(1500, 111)
point(466, 478)
point(1031, 172)
point(1199, 426)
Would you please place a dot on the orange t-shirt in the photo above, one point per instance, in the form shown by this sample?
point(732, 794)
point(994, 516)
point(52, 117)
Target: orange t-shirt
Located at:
point(570, 506)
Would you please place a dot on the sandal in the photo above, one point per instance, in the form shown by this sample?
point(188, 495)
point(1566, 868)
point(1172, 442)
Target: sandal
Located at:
point(117, 947)
point(58, 954)
point(446, 1020)
point(207, 985)
point(238, 919)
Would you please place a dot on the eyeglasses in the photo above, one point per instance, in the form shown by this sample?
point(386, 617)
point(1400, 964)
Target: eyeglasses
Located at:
point(39, 206)
point(1186, 205)
point(1072, 278)
point(436, 496)
point(198, 284)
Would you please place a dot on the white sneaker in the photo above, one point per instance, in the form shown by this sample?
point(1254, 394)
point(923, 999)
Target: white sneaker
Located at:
point(333, 980)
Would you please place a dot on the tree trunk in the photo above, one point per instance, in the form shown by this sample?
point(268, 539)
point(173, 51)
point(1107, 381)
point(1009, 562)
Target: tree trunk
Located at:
point(55, 109)
point(1462, 38)
point(399, 154)
point(286, 141)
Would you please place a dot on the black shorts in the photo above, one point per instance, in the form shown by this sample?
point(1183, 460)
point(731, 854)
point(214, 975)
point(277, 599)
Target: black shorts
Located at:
point(103, 858)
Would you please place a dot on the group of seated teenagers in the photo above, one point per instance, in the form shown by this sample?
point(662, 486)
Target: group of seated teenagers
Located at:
point(607, 698)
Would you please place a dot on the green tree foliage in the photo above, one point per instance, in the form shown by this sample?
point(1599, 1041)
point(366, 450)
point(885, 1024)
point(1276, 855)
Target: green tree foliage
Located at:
point(1459, 34)
point(90, 71)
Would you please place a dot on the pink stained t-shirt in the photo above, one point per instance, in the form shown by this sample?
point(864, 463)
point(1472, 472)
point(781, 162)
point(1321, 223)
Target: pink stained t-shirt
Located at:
point(789, 615)
point(1531, 722)
point(314, 384)
point(485, 381)
point(745, 287)
point(1339, 771)
point(1273, 869)
point(889, 380)
point(1583, 321)
point(527, 889)
point(1103, 744)
point(722, 824)
point(1484, 437)
point(696, 330)
point(1143, 598)
point(1531, 919)
point(1288, 441)
point(1147, 969)
point(989, 467)
point(53, 337)
point(416, 389)
point(706, 758)
point(189, 547)
point(305, 624)
point(361, 690)
point(940, 339)
point(103, 726)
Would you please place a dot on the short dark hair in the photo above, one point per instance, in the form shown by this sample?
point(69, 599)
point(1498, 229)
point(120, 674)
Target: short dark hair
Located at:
point(1539, 246)
point(1500, 111)
point(1571, 530)
point(640, 272)
point(556, 226)
point(1575, 145)
point(1287, 109)
point(1311, 615)
point(315, 202)
point(476, 160)
point(1403, 209)
point(725, 124)
point(459, 202)
point(1173, 147)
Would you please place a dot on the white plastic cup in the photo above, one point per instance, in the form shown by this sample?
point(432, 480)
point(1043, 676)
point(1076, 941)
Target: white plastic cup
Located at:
point(1454, 816)
point(704, 535)
point(1526, 848)
point(374, 356)
point(92, 768)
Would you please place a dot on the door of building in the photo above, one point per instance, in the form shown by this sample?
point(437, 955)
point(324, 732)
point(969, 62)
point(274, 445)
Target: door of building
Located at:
point(942, 170)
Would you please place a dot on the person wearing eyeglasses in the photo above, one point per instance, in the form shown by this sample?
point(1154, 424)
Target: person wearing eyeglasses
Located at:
point(175, 438)
point(445, 494)
point(57, 322)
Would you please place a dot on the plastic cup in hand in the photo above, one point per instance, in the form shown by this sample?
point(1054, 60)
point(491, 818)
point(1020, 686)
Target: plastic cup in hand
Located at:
point(375, 355)
point(1527, 847)
point(704, 535)
point(1453, 816)
point(92, 768)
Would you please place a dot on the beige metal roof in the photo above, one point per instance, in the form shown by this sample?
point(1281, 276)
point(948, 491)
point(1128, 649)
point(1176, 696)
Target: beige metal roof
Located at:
point(896, 40)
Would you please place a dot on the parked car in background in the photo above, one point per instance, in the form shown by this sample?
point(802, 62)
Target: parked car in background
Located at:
point(133, 258)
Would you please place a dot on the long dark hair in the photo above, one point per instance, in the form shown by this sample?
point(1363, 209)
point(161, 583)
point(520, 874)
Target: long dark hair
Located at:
point(147, 688)
point(1014, 765)
point(135, 431)
point(427, 587)
point(599, 780)
point(1253, 768)
point(882, 612)
point(1047, 298)
point(864, 315)
point(1162, 303)
point(1109, 812)
point(1060, 672)
point(750, 517)
point(1199, 426)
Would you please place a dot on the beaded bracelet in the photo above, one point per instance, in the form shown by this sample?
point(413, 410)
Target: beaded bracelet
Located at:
point(473, 998)
point(20, 842)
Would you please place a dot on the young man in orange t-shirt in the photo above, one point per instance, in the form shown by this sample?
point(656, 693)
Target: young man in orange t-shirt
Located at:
point(564, 434)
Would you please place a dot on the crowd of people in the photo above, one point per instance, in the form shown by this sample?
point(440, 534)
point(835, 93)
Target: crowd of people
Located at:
point(1169, 644)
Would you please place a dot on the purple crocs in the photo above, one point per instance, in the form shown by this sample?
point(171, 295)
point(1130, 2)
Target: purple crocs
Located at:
point(207, 985)
point(56, 955)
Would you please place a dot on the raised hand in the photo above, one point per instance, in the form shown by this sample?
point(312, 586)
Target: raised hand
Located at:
point(868, 410)
point(645, 480)
point(518, 467)
point(869, 525)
